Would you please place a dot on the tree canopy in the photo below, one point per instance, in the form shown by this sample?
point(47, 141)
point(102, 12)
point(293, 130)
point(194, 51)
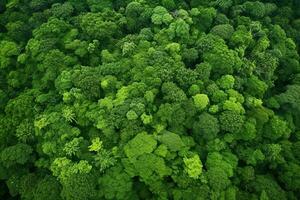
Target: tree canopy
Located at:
point(149, 99)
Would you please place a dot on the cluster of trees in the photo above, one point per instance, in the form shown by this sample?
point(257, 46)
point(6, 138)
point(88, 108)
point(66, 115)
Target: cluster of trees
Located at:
point(149, 99)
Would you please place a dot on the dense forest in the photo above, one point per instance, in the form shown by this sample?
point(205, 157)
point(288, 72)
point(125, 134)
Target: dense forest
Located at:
point(149, 99)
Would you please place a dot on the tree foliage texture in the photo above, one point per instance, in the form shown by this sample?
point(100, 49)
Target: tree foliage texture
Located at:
point(149, 99)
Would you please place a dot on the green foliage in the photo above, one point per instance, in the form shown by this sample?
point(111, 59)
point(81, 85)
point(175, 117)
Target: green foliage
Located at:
point(98, 27)
point(161, 16)
point(224, 31)
point(207, 127)
point(276, 128)
point(48, 188)
point(193, 166)
point(140, 144)
point(8, 50)
point(17, 154)
point(201, 101)
point(231, 121)
point(116, 184)
point(222, 59)
point(79, 186)
point(149, 99)
point(226, 82)
point(255, 9)
point(219, 169)
point(171, 140)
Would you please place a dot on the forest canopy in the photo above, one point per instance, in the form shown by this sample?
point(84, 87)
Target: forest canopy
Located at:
point(149, 99)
